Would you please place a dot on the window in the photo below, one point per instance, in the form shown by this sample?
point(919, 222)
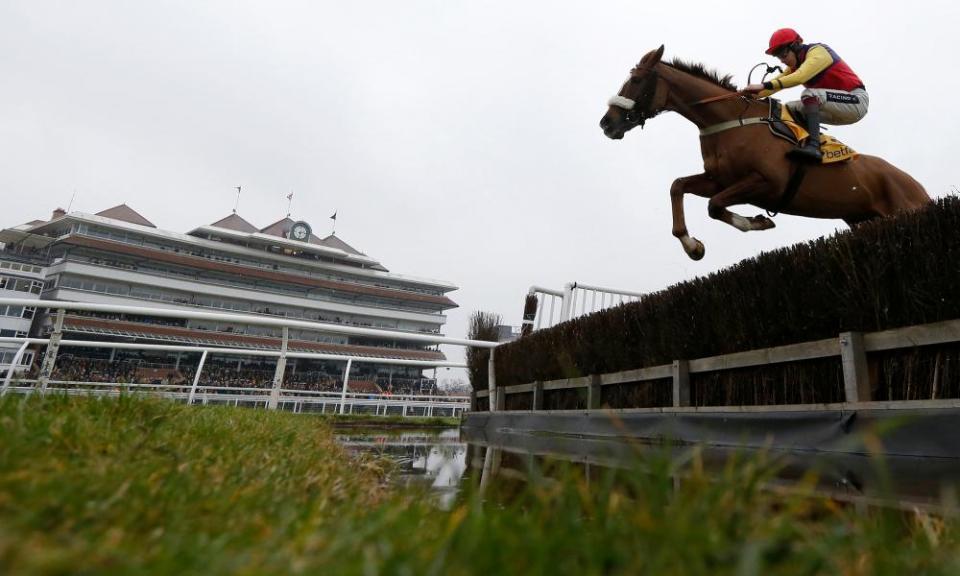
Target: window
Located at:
point(14, 311)
point(7, 356)
point(28, 312)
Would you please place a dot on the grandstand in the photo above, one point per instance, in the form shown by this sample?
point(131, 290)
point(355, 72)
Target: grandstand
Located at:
point(117, 256)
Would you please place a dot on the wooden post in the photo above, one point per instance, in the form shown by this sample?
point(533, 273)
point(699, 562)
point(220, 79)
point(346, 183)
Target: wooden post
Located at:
point(492, 399)
point(473, 400)
point(856, 375)
point(537, 396)
point(50, 356)
point(196, 378)
point(593, 392)
point(346, 383)
point(278, 373)
point(681, 383)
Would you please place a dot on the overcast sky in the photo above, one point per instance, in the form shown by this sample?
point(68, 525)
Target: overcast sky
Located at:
point(456, 140)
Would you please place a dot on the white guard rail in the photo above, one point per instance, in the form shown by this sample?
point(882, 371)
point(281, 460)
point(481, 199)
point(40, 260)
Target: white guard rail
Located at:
point(275, 397)
point(576, 299)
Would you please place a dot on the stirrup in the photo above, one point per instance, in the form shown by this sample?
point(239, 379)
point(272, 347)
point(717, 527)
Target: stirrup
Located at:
point(806, 152)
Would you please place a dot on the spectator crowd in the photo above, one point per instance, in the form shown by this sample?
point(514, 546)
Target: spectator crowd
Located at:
point(229, 374)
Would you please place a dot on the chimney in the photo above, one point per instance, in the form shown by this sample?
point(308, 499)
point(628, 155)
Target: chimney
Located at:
point(58, 213)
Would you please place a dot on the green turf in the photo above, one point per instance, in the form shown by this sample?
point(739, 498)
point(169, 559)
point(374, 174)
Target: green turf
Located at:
point(137, 486)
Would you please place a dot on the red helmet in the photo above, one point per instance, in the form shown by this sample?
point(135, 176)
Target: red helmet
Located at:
point(781, 38)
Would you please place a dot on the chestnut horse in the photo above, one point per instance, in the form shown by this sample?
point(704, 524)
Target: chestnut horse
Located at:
point(745, 163)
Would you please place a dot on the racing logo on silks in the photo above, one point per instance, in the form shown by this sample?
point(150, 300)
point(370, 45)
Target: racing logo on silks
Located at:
point(842, 98)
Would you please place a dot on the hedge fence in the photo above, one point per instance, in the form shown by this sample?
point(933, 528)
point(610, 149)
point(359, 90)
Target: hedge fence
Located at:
point(884, 274)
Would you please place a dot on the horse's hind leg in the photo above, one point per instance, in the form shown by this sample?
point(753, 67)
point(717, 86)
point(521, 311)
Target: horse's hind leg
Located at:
point(698, 185)
point(740, 193)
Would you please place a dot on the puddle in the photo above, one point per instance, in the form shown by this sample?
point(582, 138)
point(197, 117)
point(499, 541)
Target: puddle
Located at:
point(444, 461)
point(431, 458)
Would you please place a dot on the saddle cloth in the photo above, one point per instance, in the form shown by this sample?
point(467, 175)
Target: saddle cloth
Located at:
point(784, 126)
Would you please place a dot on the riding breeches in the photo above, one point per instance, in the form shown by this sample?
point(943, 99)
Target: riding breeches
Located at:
point(837, 107)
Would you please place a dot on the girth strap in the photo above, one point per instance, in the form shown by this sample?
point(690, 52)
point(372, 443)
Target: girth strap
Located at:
point(793, 185)
point(731, 124)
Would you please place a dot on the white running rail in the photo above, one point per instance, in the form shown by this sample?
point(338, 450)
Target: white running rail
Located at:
point(274, 397)
point(576, 299)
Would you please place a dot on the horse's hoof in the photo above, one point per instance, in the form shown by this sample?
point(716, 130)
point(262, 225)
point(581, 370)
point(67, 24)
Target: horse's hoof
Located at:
point(698, 252)
point(761, 222)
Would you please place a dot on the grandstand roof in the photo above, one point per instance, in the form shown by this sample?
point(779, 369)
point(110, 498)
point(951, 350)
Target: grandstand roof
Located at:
point(279, 228)
point(334, 242)
point(235, 222)
point(126, 214)
point(231, 233)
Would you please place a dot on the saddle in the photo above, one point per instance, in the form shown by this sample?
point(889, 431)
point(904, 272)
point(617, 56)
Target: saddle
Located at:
point(782, 125)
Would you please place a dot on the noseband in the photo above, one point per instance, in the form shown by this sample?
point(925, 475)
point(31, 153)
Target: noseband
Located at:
point(637, 112)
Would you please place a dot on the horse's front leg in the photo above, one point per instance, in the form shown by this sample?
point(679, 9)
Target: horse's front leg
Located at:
point(741, 193)
point(698, 185)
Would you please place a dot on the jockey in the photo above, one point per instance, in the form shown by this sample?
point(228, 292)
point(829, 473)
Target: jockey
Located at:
point(833, 93)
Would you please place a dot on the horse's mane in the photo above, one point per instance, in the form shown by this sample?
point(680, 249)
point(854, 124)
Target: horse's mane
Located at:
point(700, 71)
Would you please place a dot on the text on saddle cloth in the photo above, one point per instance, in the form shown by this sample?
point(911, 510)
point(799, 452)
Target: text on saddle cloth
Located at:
point(783, 125)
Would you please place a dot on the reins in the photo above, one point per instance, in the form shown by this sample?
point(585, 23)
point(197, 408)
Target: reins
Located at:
point(718, 98)
point(770, 70)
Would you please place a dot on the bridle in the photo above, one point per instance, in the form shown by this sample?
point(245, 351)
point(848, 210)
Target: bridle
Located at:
point(638, 111)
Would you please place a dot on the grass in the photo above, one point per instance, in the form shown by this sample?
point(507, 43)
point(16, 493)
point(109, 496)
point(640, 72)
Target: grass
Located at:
point(134, 486)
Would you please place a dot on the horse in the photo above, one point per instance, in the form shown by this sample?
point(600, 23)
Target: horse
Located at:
point(743, 163)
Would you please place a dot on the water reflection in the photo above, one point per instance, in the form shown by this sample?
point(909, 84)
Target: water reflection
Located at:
point(444, 460)
point(429, 458)
point(860, 479)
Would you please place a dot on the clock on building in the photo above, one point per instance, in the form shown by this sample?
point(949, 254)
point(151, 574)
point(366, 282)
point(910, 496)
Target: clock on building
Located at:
point(300, 231)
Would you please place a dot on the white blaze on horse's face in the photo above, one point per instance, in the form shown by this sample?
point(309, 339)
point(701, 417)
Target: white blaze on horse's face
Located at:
point(621, 102)
point(612, 122)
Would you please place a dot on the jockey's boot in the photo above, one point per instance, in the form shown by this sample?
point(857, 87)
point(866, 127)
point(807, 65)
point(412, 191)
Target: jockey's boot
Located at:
point(810, 150)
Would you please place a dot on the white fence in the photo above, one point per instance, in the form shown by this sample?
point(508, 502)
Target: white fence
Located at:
point(299, 401)
point(274, 397)
point(576, 299)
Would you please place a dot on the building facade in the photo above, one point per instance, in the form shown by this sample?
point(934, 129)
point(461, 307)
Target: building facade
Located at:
point(119, 257)
point(20, 278)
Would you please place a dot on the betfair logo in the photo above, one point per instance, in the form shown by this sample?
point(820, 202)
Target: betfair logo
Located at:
point(838, 153)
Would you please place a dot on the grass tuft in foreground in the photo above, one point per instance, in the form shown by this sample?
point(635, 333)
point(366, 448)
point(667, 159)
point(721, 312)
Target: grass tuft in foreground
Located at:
point(132, 485)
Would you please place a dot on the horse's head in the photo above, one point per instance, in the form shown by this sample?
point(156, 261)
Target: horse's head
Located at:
point(643, 96)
